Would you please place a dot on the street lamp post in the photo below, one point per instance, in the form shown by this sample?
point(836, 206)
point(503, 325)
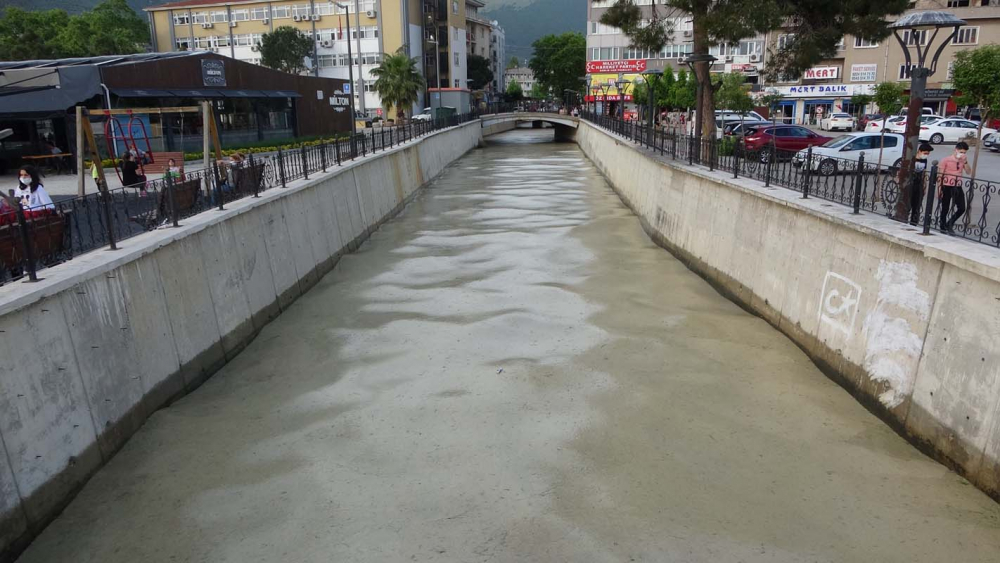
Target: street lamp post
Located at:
point(605, 88)
point(350, 71)
point(649, 76)
point(437, 69)
point(589, 79)
point(622, 84)
point(596, 89)
point(699, 104)
point(918, 24)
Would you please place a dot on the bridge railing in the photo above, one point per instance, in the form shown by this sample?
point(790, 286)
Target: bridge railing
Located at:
point(929, 200)
point(33, 238)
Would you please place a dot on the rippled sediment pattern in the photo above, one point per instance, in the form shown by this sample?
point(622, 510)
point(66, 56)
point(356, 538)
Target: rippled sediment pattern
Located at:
point(511, 371)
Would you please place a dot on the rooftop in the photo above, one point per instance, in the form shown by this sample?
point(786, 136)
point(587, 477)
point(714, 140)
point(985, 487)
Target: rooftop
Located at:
point(195, 3)
point(99, 61)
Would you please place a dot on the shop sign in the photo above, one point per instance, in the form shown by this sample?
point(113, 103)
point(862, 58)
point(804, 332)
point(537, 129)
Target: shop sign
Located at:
point(745, 68)
point(630, 65)
point(822, 73)
point(609, 98)
point(213, 72)
point(823, 90)
point(340, 102)
point(864, 73)
point(938, 93)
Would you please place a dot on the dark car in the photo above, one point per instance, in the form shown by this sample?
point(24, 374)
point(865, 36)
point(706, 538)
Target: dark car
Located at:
point(785, 139)
point(738, 129)
point(863, 122)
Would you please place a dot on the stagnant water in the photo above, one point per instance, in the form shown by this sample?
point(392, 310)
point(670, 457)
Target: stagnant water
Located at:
point(511, 371)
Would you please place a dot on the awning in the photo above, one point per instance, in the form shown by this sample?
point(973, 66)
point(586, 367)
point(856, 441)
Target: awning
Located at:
point(74, 85)
point(196, 93)
point(136, 93)
point(203, 93)
point(281, 94)
point(242, 93)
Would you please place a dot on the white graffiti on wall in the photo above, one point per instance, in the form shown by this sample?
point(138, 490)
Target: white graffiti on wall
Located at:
point(892, 348)
point(839, 302)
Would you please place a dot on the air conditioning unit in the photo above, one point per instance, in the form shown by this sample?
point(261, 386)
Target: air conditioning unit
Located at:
point(755, 58)
point(232, 24)
point(265, 21)
point(687, 33)
point(327, 43)
point(296, 19)
point(371, 13)
point(207, 26)
point(729, 58)
point(315, 17)
point(254, 48)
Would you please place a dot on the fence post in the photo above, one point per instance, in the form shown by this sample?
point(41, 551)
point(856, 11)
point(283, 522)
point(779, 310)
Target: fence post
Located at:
point(170, 199)
point(859, 183)
point(322, 155)
point(736, 158)
point(673, 145)
point(767, 171)
point(809, 166)
point(281, 167)
point(690, 150)
point(336, 150)
point(255, 178)
point(28, 251)
point(931, 191)
point(305, 162)
point(711, 155)
point(105, 198)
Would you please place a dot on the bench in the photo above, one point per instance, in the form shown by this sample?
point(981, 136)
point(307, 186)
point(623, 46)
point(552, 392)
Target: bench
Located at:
point(159, 164)
point(50, 236)
point(186, 194)
point(248, 179)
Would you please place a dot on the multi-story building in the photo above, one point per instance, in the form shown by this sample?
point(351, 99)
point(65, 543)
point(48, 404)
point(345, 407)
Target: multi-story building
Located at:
point(858, 65)
point(523, 76)
point(498, 55)
point(235, 28)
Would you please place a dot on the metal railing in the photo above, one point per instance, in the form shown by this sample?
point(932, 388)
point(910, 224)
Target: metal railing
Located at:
point(34, 238)
point(864, 184)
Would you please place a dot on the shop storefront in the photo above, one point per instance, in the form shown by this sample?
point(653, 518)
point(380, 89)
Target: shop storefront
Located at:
point(807, 104)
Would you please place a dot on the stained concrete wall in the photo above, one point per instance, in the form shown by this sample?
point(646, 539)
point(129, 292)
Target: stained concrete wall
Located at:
point(909, 324)
point(106, 339)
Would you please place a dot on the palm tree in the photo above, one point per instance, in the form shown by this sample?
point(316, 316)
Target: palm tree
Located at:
point(398, 81)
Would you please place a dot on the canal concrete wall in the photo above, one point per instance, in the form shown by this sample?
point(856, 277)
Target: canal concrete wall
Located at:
point(910, 325)
point(103, 341)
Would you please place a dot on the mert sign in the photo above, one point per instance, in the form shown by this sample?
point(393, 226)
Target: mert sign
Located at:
point(614, 67)
point(822, 73)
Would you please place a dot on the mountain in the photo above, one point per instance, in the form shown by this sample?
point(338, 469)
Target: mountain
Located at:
point(524, 21)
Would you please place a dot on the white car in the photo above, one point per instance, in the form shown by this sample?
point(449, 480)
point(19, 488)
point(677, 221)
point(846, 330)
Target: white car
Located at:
point(951, 131)
point(841, 154)
point(837, 121)
point(900, 126)
point(423, 116)
point(876, 126)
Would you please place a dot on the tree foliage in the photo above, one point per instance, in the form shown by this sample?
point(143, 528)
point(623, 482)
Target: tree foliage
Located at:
point(480, 73)
point(684, 91)
point(513, 63)
point(861, 101)
point(398, 81)
point(975, 75)
point(890, 99)
point(285, 49)
point(514, 91)
point(733, 94)
point(559, 61)
point(111, 28)
point(538, 92)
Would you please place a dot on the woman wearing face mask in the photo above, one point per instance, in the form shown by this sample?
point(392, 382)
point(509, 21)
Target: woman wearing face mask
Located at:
point(950, 186)
point(31, 193)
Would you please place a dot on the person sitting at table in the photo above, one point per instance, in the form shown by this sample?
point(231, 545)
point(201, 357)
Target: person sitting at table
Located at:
point(31, 193)
point(173, 171)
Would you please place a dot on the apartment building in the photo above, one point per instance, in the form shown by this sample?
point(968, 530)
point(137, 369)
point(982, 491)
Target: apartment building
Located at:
point(498, 55)
point(858, 65)
point(523, 76)
point(485, 38)
point(235, 28)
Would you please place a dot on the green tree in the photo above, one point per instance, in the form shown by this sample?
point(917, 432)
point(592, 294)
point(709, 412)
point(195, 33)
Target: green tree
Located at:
point(480, 73)
point(513, 63)
point(860, 102)
point(514, 91)
point(398, 81)
point(890, 99)
point(559, 61)
point(111, 28)
point(975, 75)
point(538, 92)
point(684, 92)
point(285, 49)
point(734, 95)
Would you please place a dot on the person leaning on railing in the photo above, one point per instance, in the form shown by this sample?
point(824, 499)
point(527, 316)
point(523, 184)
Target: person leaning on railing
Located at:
point(950, 186)
point(32, 195)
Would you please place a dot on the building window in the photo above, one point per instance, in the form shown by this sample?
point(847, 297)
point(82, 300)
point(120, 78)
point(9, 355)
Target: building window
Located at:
point(959, 3)
point(281, 12)
point(966, 36)
point(258, 14)
point(862, 43)
point(456, 84)
point(915, 37)
point(457, 62)
point(785, 40)
point(241, 15)
point(840, 45)
point(454, 6)
point(302, 11)
point(951, 70)
point(183, 45)
point(200, 18)
point(220, 17)
point(181, 19)
point(905, 70)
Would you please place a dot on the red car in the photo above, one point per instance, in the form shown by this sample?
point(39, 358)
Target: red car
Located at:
point(786, 139)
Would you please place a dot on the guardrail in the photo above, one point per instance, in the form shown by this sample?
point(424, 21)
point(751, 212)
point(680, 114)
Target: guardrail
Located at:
point(862, 184)
point(35, 238)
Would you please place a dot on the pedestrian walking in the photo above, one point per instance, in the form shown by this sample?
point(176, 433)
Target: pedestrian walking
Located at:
point(950, 190)
point(917, 182)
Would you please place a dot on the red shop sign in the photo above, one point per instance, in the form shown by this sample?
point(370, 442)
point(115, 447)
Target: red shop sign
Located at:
point(610, 98)
point(614, 67)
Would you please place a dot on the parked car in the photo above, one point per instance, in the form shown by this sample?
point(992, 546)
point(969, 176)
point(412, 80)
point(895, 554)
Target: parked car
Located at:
point(900, 126)
point(951, 131)
point(423, 116)
point(992, 141)
point(783, 138)
point(923, 111)
point(876, 126)
point(863, 122)
point(727, 115)
point(973, 114)
point(841, 154)
point(836, 122)
point(737, 129)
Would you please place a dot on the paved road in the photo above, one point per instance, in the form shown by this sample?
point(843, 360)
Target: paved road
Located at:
point(512, 371)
